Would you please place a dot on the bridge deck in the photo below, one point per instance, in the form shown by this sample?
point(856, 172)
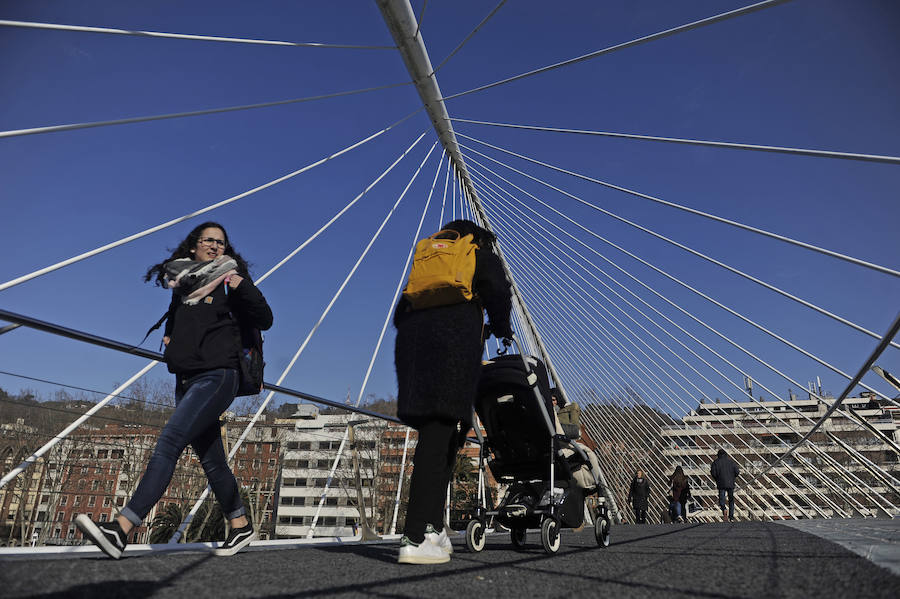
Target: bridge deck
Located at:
point(690, 560)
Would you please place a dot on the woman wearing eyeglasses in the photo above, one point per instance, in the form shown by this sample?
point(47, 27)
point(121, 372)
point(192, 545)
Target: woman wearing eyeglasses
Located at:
point(211, 288)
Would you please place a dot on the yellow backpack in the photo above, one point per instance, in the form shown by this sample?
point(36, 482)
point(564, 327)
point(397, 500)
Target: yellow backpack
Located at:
point(442, 270)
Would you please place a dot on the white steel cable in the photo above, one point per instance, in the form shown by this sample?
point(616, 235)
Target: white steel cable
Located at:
point(468, 37)
point(635, 378)
point(864, 461)
point(75, 424)
point(758, 423)
point(584, 259)
point(700, 142)
point(860, 458)
point(175, 221)
point(400, 482)
point(178, 115)
point(622, 46)
point(701, 255)
point(362, 389)
point(393, 303)
point(692, 289)
point(444, 200)
point(638, 323)
point(640, 282)
point(854, 453)
point(638, 378)
point(453, 196)
point(186, 522)
point(651, 390)
point(185, 36)
point(892, 331)
point(719, 219)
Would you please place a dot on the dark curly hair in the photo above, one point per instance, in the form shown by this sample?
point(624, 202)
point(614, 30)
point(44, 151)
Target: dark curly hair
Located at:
point(481, 237)
point(158, 271)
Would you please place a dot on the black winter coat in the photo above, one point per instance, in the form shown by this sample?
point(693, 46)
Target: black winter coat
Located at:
point(639, 493)
point(437, 353)
point(205, 336)
point(725, 470)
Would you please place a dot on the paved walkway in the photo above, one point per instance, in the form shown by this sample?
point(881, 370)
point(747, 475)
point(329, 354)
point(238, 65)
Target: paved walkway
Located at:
point(875, 540)
point(711, 561)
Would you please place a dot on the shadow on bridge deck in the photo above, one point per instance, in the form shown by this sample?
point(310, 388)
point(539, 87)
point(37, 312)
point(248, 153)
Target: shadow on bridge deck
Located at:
point(688, 560)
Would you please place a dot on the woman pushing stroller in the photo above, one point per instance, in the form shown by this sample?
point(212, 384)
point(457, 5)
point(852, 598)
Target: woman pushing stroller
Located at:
point(438, 360)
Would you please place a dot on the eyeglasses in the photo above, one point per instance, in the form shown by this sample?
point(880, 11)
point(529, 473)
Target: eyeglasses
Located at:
point(210, 241)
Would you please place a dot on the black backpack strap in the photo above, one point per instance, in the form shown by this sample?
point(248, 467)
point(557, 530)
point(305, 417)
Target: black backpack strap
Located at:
point(154, 327)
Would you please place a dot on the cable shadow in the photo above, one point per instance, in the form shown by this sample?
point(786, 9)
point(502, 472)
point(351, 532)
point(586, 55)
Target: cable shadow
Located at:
point(136, 589)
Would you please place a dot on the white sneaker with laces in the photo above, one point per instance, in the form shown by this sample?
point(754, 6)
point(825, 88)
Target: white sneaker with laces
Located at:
point(441, 539)
point(423, 553)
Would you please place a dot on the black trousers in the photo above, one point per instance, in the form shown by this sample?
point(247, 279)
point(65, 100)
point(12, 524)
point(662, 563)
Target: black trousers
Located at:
point(432, 466)
point(640, 515)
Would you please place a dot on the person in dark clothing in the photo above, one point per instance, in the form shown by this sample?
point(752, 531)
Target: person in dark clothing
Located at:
point(679, 486)
point(211, 292)
point(725, 472)
point(638, 496)
point(438, 360)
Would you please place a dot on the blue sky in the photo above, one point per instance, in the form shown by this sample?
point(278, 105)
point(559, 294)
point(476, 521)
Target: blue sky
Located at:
point(801, 74)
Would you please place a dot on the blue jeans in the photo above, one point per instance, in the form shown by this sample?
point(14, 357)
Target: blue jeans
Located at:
point(199, 401)
point(730, 493)
point(675, 509)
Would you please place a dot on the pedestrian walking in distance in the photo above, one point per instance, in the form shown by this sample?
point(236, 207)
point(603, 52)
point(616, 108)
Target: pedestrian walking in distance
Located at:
point(678, 490)
point(638, 496)
point(440, 340)
point(211, 294)
point(725, 472)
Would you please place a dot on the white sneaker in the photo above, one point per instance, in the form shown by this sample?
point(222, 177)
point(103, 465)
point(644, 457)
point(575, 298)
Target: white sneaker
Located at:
point(423, 553)
point(441, 539)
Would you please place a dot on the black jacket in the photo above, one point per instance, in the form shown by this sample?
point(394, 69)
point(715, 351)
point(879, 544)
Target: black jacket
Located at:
point(437, 353)
point(639, 493)
point(725, 470)
point(205, 336)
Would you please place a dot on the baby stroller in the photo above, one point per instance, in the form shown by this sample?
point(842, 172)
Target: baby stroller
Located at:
point(523, 451)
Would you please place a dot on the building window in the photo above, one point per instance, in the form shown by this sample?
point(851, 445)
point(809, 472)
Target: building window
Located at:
point(106, 502)
point(103, 517)
point(92, 501)
point(77, 500)
point(95, 485)
point(60, 517)
point(243, 449)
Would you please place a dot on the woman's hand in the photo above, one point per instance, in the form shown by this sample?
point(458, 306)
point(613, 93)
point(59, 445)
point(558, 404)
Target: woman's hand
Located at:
point(166, 340)
point(234, 281)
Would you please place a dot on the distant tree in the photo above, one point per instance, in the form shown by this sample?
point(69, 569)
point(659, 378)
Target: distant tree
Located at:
point(165, 523)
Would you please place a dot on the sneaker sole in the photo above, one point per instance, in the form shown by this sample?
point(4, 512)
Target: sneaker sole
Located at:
point(232, 550)
point(91, 530)
point(418, 559)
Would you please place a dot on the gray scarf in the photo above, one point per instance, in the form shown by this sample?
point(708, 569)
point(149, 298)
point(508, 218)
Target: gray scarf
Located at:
point(193, 280)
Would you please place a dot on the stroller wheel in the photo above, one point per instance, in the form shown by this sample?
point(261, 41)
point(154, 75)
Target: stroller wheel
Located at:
point(550, 535)
point(475, 537)
point(601, 531)
point(517, 536)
